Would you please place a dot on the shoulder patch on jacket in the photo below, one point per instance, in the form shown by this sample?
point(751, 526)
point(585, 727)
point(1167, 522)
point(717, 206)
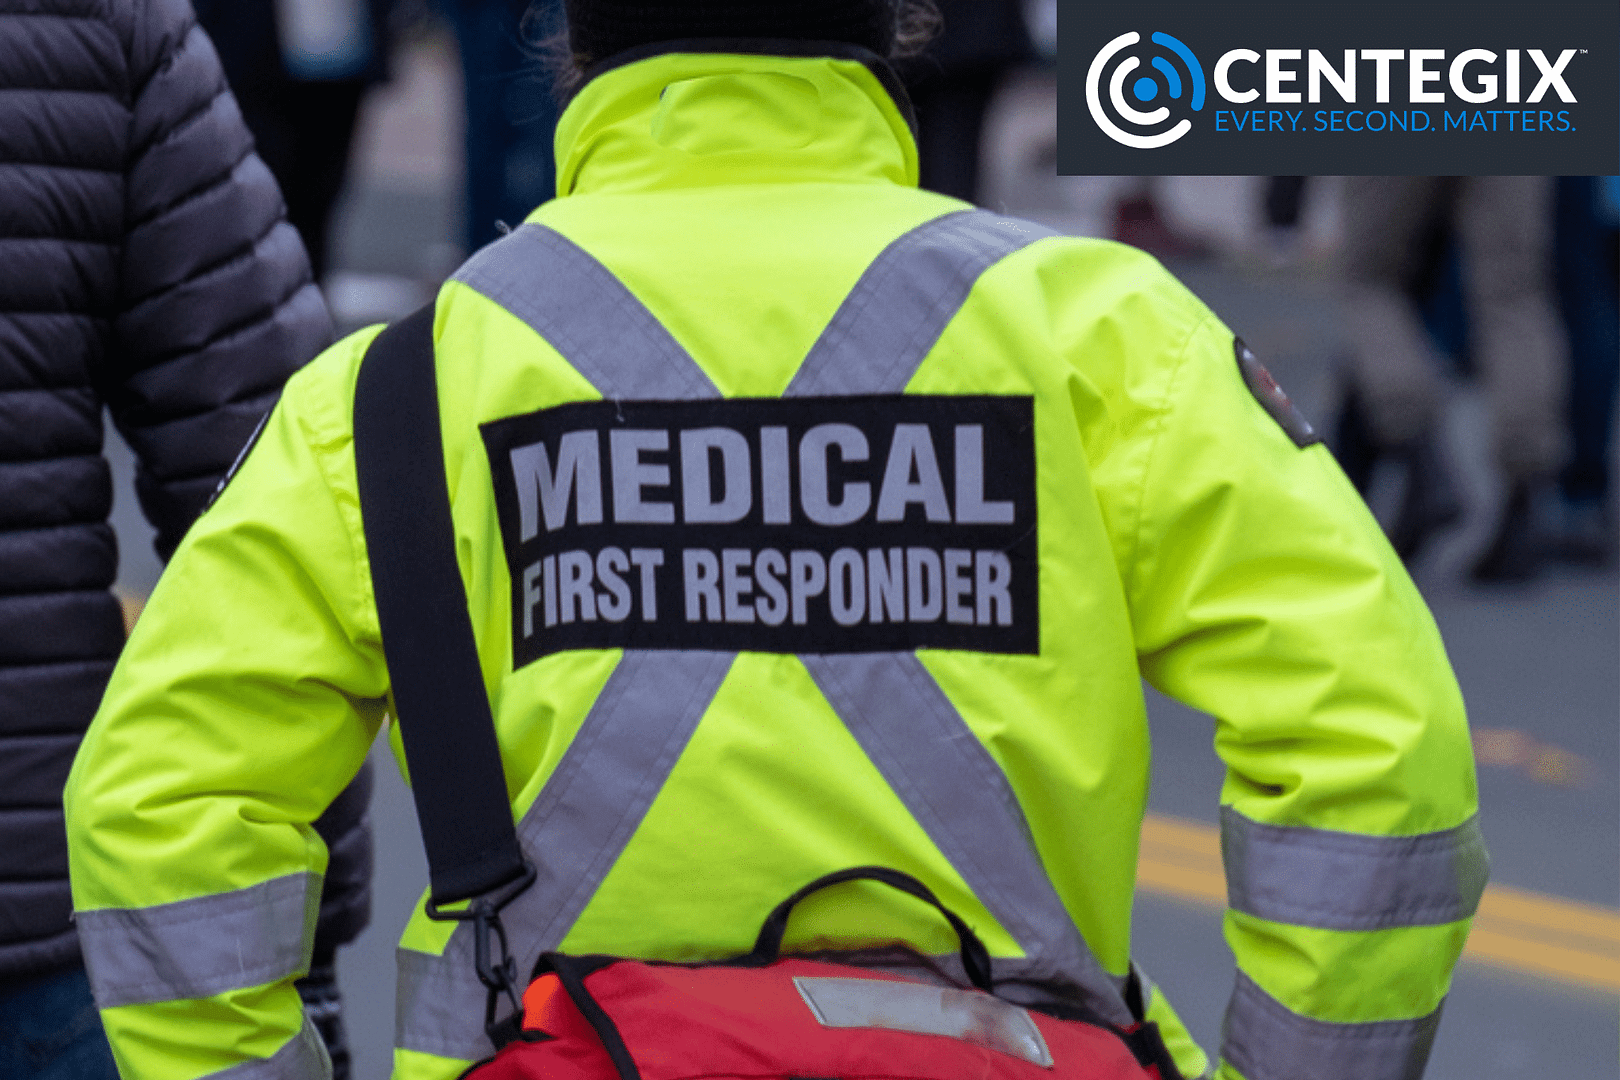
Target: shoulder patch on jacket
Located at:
point(1271, 397)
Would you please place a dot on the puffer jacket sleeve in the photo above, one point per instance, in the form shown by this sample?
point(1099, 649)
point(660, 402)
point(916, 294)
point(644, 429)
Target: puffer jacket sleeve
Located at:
point(217, 305)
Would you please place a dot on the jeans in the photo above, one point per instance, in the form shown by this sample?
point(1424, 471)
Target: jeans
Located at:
point(50, 1030)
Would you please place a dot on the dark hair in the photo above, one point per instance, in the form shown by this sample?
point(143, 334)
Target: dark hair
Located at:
point(916, 23)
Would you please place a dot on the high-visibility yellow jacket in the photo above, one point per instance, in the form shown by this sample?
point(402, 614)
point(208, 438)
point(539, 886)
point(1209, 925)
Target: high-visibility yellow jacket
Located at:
point(1052, 480)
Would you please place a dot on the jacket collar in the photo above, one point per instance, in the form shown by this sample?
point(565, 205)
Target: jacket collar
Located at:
point(679, 119)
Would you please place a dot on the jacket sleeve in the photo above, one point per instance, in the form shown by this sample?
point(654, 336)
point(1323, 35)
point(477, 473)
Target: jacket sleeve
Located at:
point(245, 700)
point(1264, 594)
point(216, 306)
point(345, 829)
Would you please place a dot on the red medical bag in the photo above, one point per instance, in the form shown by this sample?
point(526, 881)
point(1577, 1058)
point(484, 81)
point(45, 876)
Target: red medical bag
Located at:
point(764, 1016)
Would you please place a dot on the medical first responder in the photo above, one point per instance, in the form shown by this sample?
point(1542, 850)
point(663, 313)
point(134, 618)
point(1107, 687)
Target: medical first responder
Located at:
point(806, 520)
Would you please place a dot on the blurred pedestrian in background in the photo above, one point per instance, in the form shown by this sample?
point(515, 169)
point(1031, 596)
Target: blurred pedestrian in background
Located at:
point(511, 113)
point(951, 85)
point(299, 68)
point(1504, 228)
point(1587, 287)
point(1282, 207)
point(1284, 200)
point(145, 265)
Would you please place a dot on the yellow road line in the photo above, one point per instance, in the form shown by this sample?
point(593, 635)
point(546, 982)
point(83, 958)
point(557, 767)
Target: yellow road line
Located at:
point(1540, 958)
point(1533, 909)
point(1544, 935)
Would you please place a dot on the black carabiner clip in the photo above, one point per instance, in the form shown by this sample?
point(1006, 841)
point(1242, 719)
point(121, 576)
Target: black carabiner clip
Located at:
point(498, 974)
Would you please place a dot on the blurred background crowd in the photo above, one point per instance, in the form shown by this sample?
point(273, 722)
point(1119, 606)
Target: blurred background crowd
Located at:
point(1455, 338)
point(406, 133)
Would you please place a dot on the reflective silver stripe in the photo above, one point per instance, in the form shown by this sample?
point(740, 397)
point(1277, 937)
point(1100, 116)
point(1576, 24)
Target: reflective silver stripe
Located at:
point(1346, 881)
point(966, 1015)
point(1264, 1040)
point(889, 701)
point(640, 724)
point(903, 302)
point(1145, 988)
point(586, 314)
point(961, 798)
point(303, 1057)
point(583, 817)
point(439, 1003)
point(202, 947)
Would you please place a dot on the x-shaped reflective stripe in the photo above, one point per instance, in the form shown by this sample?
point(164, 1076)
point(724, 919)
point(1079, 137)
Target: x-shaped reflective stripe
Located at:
point(633, 735)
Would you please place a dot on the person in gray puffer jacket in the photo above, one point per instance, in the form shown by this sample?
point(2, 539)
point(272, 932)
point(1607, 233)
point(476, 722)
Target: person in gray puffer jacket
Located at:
point(145, 266)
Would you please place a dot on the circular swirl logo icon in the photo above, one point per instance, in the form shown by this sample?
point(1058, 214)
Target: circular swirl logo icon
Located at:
point(1145, 88)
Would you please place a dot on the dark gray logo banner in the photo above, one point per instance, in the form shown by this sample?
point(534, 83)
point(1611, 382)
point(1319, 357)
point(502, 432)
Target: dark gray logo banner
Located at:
point(1377, 87)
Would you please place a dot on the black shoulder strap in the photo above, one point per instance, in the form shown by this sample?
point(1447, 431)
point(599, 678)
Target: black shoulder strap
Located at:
point(438, 686)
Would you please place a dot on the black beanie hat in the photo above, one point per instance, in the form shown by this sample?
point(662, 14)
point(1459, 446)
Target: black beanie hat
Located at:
point(597, 29)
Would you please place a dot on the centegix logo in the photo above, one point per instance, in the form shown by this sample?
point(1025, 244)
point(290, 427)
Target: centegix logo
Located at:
point(847, 524)
point(1145, 89)
point(1382, 88)
point(1292, 75)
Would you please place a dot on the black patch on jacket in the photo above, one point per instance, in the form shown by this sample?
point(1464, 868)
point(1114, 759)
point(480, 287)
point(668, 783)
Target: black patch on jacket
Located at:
point(1271, 397)
point(790, 525)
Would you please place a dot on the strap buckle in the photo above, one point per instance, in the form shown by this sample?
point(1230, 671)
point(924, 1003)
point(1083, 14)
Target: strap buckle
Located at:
point(499, 976)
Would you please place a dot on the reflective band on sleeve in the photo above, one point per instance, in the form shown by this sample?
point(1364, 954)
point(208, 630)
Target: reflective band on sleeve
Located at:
point(904, 300)
point(1264, 1040)
point(1345, 881)
point(586, 314)
point(303, 1057)
point(583, 817)
point(957, 792)
point(202, 947)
